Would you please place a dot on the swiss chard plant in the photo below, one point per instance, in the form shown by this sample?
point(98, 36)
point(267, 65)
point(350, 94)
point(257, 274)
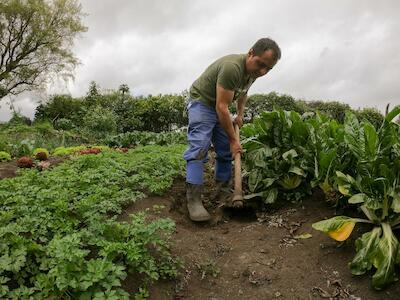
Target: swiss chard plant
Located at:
point(275, 159)
point(373, 185)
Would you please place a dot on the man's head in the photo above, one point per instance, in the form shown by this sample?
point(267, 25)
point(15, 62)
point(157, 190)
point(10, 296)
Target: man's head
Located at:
point(262, 57)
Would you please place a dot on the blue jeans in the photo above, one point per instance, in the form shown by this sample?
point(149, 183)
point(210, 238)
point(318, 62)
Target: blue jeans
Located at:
point(203, 129)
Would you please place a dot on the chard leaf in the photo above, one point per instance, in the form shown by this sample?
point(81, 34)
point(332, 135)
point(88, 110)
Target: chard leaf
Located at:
point(365, 246)
point(396, 202)
point(270, 196)
point(391, 115)
point(297, 170)
point(268, 182)
point(371, 140)
point(384, 258)
point(357, 198)
point(373, 203)
point(260, 156)
point(254, 179)
point(290, 182)
point(344, 183)
point(339, 228)
point(288, 155)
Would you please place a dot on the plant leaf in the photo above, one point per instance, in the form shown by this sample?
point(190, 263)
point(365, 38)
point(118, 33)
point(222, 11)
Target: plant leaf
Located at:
point(365, 246)
point(339, 228)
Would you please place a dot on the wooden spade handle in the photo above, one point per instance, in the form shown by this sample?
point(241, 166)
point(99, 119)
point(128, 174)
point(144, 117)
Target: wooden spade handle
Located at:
point(238, 194)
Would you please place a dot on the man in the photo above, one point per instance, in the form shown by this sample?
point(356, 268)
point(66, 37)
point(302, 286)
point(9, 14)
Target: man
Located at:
point(224, 81)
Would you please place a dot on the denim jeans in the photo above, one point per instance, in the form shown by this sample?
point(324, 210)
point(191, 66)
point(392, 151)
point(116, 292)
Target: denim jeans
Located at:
point(203, 129)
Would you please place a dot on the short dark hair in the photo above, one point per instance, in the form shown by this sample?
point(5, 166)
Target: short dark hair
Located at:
point(265, 44)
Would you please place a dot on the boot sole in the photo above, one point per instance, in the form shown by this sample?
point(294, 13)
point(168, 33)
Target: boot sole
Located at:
point(200, 219)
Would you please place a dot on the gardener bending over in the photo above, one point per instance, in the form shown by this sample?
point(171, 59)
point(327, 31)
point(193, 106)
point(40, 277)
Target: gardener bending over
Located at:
point(224, 81)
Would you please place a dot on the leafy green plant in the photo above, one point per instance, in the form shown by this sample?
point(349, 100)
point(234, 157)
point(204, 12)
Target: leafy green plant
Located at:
point(374, 187)
point(41, 153)
point(275, 160)
point(4, 156)
point(145, 138)
point(59, 234)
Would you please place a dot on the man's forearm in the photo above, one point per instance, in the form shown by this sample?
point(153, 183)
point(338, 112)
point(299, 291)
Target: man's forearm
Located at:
point(225, 121)
point(240, 105)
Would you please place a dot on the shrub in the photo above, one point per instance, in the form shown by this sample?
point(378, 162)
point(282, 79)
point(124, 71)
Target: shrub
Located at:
point(18, 118)
point(44, 128)
point(100, 122)
point(41, 154)
point(333, 109)
point(4, 156)
point(371, 115)
point(64, 124)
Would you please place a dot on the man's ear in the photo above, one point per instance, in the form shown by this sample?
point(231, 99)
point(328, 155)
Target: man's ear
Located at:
point(251, 52)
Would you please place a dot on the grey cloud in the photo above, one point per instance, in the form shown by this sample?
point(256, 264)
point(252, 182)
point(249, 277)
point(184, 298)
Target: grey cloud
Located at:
point(331, 50)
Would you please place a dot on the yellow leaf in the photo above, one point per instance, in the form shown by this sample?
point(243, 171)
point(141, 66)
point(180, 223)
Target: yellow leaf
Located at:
point(342, 233)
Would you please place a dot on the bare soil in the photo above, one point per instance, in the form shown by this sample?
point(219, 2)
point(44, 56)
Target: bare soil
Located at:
point(9, 169)
point(244, 255)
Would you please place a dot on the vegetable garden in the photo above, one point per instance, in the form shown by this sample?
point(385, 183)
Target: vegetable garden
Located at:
point(62, 235)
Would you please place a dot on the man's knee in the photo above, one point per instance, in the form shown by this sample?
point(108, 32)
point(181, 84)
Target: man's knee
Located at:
point(200, 154)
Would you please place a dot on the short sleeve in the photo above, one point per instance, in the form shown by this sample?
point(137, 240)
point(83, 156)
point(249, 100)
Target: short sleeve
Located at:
point(229, 76)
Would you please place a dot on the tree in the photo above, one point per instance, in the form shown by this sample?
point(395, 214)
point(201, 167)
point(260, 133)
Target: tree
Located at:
point(124, 89)
point(36, 39)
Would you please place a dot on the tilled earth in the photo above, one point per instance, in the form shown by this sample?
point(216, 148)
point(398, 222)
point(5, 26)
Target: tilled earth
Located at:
point(247, 255)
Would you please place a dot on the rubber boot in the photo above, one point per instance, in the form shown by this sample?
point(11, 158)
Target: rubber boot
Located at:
point(197, 212)
point(223, 192)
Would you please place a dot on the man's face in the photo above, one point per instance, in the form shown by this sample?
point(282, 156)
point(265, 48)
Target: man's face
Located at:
point(259, 65)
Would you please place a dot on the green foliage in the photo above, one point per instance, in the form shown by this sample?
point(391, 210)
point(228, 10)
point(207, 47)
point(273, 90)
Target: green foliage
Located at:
point(58, 230)
point(372, 184)
point(160, 113)
point(40, 35)
point(4, 156)
point(62, 110)
point(18, 119)
point(100, 122)
point(60, 151)
point(41, 150)
point(145, 138)
point(258, 103)
point(287, 153)
point(45, 129)
point(333, 109)
point(20, 140)
point(371, 115)
point(276, 158)
point(152, 113)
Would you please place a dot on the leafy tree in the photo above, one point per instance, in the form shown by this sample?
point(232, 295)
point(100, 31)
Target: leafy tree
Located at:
point(258, 103)
point(60, 107)
point(372, 115)
point(334, 109)
point(100, 121)
point(19, 119)
point(93, 94)
point(124, 89)
point(36, 39)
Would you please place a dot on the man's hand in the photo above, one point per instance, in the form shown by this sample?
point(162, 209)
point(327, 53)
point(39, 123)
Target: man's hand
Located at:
point(238, 120)
point(235, 147)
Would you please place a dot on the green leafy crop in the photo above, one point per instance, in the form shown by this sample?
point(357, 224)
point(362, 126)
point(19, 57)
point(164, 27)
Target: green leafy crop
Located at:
point(59, 234)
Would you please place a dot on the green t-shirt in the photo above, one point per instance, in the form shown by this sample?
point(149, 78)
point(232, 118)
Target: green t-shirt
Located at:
point(228, 71)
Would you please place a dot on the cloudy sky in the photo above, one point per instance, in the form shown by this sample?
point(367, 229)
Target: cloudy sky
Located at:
point(331, 50)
